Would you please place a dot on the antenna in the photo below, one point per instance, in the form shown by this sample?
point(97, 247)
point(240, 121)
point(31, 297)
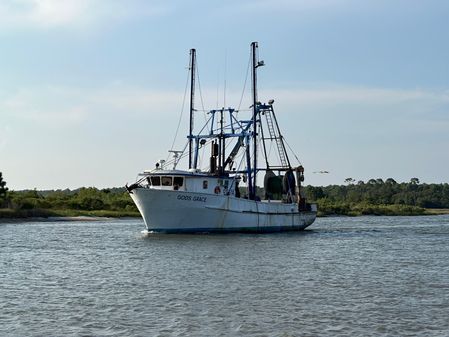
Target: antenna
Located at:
point(225, 71)
point(176, 157)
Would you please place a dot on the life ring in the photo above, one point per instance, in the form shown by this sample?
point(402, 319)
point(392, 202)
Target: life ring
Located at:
point(217, 190)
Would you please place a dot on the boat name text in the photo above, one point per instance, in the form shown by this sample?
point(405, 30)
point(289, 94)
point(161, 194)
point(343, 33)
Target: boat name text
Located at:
point(189, 197)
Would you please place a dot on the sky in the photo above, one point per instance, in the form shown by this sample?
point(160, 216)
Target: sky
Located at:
point(91, 91)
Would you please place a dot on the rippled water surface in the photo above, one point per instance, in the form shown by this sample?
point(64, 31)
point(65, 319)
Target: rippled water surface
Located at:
point(365, 276)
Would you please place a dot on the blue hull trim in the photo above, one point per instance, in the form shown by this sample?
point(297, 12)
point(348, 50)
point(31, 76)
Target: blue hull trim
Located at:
point(274, 229)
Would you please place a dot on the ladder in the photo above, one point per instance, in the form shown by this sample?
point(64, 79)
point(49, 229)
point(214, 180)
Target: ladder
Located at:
point(275, 135)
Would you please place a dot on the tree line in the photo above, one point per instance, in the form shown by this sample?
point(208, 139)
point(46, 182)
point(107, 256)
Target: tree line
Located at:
point(114, 202)
point(366, 197)
point(375, 196)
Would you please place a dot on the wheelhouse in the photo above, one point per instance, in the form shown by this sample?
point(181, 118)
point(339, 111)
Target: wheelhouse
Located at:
point(188, 182)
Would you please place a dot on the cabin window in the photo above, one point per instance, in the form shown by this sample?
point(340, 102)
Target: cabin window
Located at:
point(178, 181)
point(166, 181)
point(205, 184)
point(156, 181)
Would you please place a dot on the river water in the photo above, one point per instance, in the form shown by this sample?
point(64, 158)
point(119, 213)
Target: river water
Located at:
point(363, 276)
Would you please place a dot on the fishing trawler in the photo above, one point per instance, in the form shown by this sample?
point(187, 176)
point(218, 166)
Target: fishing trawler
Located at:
point(223, 197)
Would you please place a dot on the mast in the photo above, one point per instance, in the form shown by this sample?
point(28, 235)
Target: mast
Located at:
point(192, 100)
point(255, 65)
point(221, 145)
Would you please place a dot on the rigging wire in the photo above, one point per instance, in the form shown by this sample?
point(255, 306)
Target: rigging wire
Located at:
point(299, 162)
point(244, 85)
point(270, 149)
point(182, 110)
point(199, 88)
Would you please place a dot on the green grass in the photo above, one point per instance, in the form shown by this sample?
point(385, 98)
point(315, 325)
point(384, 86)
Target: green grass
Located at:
point(326, 208)
point(437, 211)
point(7, 213)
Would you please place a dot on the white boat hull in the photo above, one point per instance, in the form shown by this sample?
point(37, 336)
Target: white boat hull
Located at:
point(180, 212)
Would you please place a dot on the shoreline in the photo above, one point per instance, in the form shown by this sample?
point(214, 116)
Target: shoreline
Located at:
point(79, 218)
point(427, 212)
point(96, 218)
point(437, 211)
point(38, 214)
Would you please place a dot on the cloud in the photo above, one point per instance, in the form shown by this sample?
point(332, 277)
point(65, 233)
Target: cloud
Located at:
point(366, 132)
point(335, 108)
point(47, 14)
point(361, 94)
point(371, 102)
point(45, 106)
point(287, 6)
point(63, 106)
point(350, 131)
point(5, 135)
point(33, 102)
point(134, 99)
